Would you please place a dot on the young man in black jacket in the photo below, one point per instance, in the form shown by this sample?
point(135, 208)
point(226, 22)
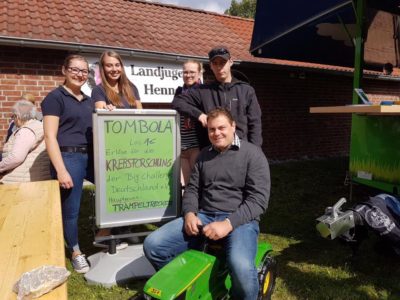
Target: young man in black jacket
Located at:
point(236, 96)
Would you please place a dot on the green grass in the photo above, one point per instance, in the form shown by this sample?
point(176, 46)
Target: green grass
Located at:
point(309, 267)
point(386, 172)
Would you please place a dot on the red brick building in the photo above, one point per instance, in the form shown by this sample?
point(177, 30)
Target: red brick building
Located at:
point(36, 36)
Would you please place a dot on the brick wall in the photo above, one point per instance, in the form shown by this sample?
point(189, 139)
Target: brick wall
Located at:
point(289, 130)
point(26, 70)
point(285, 95)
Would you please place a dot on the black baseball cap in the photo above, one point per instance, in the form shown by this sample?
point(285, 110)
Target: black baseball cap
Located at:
point(222, 52)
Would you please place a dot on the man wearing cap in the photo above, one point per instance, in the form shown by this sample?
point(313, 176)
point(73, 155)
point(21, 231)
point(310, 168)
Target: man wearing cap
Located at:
point(226, 195)
point(228, 92)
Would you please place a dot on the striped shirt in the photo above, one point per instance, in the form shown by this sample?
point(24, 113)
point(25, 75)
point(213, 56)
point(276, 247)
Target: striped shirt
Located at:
point(188, 133)
point(189, 138)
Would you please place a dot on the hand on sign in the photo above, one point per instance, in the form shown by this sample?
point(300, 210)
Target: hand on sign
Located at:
point(104, 105)
point(110, 107)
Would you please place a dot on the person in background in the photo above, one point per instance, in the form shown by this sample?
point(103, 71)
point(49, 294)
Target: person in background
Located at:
point(94, 75)
point(227, 193)
point(228, 92)
point(115, 89)
point(189, 127)
point(31, 98)
point(67, 124)
point(387, 69)
point(24, 154)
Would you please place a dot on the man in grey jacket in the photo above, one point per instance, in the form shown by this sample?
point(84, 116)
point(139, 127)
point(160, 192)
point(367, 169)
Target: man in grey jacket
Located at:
point(228, 92)
point(227, 192)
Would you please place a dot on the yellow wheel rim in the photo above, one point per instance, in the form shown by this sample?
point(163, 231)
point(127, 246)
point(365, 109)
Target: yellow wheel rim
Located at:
point(266, 282)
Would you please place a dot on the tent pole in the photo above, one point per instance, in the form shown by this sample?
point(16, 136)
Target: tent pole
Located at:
point(359, 49)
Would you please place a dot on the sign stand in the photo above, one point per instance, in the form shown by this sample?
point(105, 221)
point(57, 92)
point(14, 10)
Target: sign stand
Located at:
point(111, 269)
point(137, 171)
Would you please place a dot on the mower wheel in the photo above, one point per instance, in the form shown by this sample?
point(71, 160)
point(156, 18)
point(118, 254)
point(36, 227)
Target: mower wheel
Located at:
point(267, 277)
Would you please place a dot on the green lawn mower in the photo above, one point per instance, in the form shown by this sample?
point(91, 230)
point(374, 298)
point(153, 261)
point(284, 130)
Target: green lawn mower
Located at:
point(203, 275)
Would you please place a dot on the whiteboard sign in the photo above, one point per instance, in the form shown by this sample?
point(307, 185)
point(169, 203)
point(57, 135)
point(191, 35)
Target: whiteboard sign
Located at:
point(137, 168)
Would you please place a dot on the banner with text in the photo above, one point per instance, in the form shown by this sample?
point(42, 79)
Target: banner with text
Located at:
point(156, 80)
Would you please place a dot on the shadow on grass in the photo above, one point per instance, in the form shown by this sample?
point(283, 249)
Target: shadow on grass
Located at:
point(309, 267)
point(327, 270)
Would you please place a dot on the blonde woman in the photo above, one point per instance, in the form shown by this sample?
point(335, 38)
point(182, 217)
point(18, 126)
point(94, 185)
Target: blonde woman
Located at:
point(115, 89)
point(192, 71)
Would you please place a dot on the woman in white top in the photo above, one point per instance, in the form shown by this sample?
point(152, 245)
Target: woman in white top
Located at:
point(24, 154)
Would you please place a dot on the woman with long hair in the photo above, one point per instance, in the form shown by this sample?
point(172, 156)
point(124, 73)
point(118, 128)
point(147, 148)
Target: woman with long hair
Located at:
point(68, 135)
point(115, 89)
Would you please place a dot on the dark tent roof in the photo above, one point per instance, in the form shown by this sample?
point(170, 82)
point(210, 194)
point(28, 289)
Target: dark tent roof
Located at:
point(324, 31)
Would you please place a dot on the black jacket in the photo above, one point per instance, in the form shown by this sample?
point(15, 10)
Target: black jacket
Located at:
point(237, 96)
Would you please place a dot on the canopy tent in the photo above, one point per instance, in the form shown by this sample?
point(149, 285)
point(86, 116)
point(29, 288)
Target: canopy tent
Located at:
point(324, 31)
point(358, 33)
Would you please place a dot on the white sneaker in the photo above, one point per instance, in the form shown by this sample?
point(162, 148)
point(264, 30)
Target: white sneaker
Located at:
point(80, 263)
point(121, 246)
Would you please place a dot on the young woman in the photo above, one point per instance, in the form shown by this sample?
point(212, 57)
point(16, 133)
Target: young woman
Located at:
point(189, 127)
point(115, 89)
point(68, 135)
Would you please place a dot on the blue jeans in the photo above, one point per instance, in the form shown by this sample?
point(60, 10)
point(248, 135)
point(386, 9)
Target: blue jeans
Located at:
point(79, 166)
point(164, 244)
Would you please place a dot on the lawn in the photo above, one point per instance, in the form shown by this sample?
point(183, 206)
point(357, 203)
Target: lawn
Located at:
point(309, 267)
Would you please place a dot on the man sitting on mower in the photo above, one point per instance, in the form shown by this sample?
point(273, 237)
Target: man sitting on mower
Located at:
point(228, 191)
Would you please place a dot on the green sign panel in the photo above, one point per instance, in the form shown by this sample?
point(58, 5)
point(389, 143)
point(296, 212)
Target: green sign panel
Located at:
point(136, 166)
point(139, 162)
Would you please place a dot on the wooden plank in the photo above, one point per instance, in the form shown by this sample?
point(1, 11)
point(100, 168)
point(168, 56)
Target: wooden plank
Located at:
point(30, 233)
point(362, 109)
